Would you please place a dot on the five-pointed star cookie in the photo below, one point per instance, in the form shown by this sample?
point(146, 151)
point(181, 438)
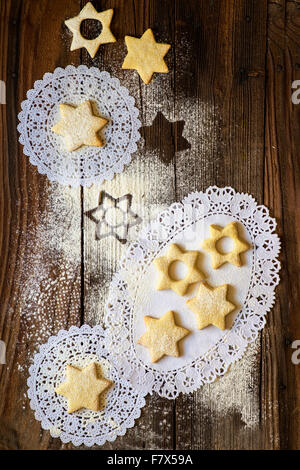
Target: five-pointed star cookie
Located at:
point(82, 388)
point(162, 336)
point(145, 55)
point(239, 246)
point(89, 13)
point(211, 306)
point(189, 258)
point(79, 126)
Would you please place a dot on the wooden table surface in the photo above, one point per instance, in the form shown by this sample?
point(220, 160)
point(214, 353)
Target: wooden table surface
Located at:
point(222, 116)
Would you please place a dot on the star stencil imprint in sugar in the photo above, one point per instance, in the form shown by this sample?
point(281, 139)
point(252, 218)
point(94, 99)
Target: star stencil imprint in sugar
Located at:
point(113, 217)
point(165, 137)
point(83, 387)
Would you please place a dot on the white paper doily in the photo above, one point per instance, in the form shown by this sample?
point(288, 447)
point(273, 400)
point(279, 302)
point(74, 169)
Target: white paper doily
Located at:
point(208, 353)
point(86, 165)
point(80, 347)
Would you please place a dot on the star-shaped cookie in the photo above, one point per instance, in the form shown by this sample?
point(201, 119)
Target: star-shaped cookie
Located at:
point(211, 306)
point(79, 126)
point(89, 13)
point(239, 246)
point(82, 388)
point(145, 55)
point(189, 258)
point(162, 336)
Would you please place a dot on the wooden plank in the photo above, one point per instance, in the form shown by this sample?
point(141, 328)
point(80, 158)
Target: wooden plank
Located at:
point(210, 121)
point(40, 273)
point(219, 93)
point(280, 377)
point(155, 428)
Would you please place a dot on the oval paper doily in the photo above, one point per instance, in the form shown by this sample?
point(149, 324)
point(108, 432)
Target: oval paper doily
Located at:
point(80, 347)
point(46, 149)
point(207, 353)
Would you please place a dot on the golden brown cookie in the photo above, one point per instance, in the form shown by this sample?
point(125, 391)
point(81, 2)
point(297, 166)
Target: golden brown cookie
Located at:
point(145, 55)
point(189, 258)
point(82, 388)
point(79, 126)
point(91, 45)
point(239, 246)
point(162, 336)
point(211, 306)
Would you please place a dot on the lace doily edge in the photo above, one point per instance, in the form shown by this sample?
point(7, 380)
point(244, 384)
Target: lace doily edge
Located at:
point(70, 182)
point(244, 341)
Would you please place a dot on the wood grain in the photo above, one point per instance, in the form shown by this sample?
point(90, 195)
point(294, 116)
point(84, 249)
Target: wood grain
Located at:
point(224, 116)
point(230, 88)
point(281, 378)
point(29, 51)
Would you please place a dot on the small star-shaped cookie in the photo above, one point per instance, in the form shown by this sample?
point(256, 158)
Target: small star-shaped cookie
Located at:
point(162, 335)
point(145, 55)
point(79, 126)
point(189, 258)
point(239, 246)
point(211, 306)
point(82, 388)
point(91, 45)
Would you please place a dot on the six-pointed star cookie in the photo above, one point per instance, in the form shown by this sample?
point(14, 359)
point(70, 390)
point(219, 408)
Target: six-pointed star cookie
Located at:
point(82, 388)
point(79, 126)
point(189, 258)
point(211, 306)
point(239, 246)
point(89, 13)
point(162, 336)
point(145, 55)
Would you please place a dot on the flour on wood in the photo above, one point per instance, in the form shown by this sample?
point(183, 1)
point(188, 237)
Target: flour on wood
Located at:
point(50, 291)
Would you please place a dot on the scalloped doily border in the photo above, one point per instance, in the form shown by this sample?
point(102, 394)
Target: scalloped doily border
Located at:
point(216, 361)
point(34, 405)
point(35, 160)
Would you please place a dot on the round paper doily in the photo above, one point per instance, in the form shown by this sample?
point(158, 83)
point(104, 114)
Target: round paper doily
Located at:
point(87, 165)
point(79, 347)
point(207, 353)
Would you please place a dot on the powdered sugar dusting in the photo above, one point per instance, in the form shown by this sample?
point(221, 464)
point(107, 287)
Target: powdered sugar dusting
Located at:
point(50, 297)
point(237, 391)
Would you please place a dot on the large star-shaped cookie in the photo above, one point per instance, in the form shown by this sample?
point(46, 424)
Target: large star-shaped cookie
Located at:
point(79, 126)
point(239, 246)
point(145, 55)
point(82, 388)
point(89, 13)
point(189, 258)
point(162, 336)
point(211, 306)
